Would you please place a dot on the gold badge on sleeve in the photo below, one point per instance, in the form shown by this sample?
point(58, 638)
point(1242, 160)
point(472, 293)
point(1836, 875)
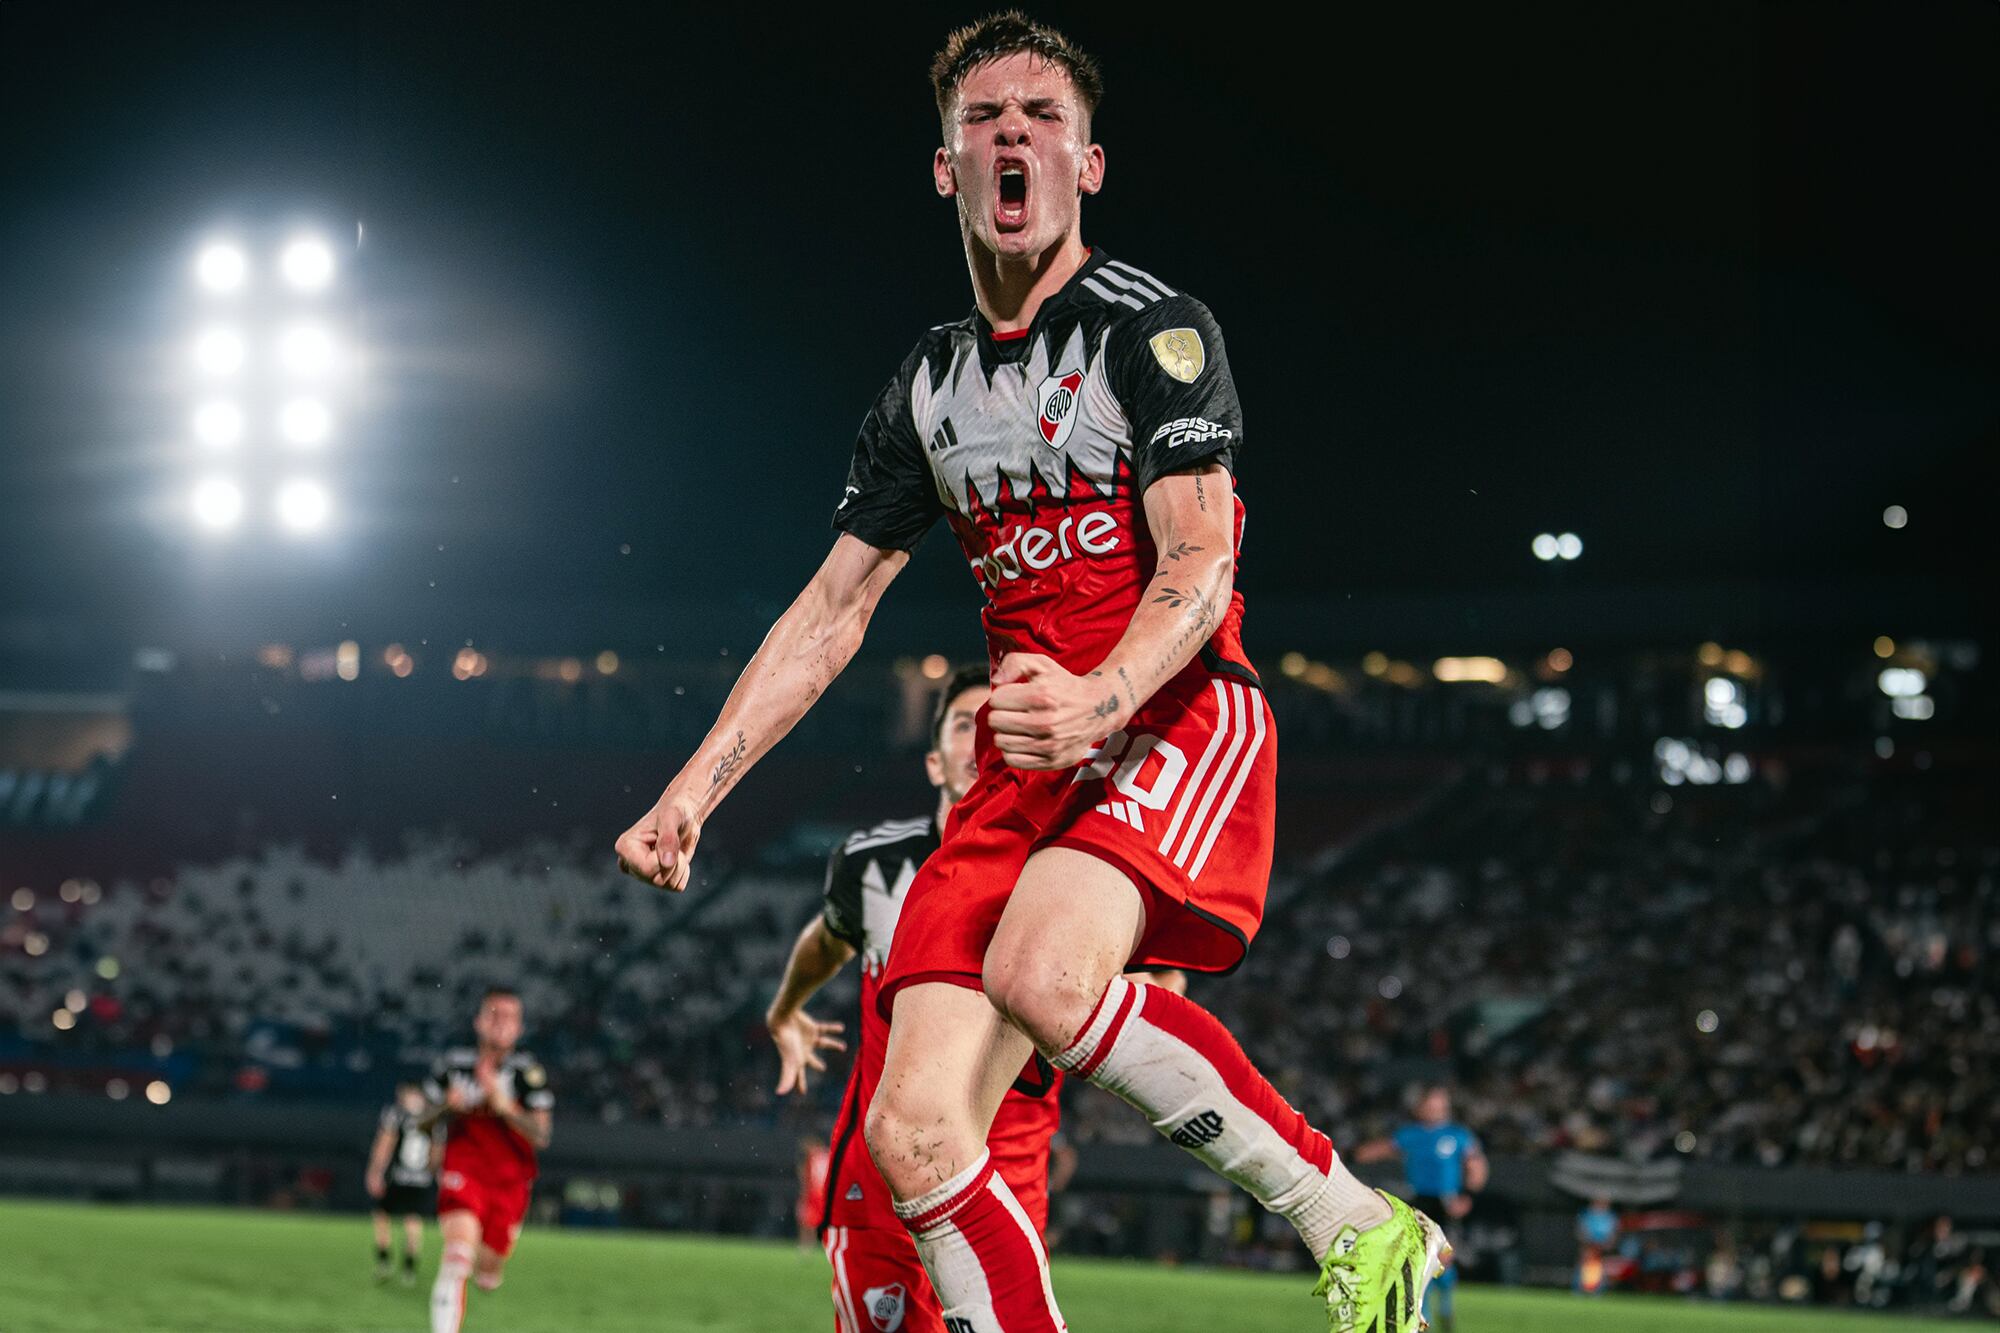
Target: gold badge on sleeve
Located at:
point(1180, 353)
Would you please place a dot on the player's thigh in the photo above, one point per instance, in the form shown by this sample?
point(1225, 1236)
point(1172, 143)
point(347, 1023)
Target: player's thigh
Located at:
point(950, 1060)
point(459, 1226)
point(1070, 926)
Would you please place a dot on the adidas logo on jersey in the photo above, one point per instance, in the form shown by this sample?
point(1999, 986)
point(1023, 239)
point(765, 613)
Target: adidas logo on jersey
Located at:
point(1190, 430)
point(854, 1192)
point(1203, 1129)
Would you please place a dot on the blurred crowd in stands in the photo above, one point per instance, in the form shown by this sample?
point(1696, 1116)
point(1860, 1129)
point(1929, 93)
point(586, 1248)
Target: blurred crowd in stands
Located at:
point(1760, 974)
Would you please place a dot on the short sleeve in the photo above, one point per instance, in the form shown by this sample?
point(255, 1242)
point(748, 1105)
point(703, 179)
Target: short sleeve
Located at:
point(1468, 1143)
point(536, 1094)
point(842, 909)
point(1171, 374)
point(391, 1121)
point(890, 501)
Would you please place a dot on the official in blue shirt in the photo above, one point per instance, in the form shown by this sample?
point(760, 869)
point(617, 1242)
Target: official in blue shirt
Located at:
point(1444, 1166)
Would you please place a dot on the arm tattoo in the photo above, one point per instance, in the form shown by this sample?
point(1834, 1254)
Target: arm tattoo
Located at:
point(1130, 693)
point(1199, 497)
point(1107, 708)
point(1181, 549)
point(728, 766)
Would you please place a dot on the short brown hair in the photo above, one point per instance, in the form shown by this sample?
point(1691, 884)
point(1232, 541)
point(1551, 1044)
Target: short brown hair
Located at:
point(1007, 33)
point(963, 679)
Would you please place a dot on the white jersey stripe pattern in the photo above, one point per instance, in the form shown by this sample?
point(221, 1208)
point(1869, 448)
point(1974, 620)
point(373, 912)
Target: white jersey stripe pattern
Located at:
point(1206, 801)
point(836, 1253)
point(1139, 274)
point(1201, 769)
point(1139, 289)
point(1258, 708)
point(1094, 285)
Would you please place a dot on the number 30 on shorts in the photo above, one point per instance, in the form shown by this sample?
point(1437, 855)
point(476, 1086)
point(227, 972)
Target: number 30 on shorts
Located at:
point(1123, 757)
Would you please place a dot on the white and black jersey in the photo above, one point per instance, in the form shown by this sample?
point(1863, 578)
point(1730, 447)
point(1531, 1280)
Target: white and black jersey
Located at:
point(1037, 448)
point(410, 1158)
point(866, 879)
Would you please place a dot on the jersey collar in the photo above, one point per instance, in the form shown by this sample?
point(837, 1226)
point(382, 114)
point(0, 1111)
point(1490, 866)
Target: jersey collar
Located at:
point(1093, 259)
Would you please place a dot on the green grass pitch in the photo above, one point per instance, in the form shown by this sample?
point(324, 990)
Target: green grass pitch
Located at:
point(84, 1269)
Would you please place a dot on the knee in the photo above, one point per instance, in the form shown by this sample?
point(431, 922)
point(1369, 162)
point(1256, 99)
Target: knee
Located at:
point(910, 1133)
point(1045, 995)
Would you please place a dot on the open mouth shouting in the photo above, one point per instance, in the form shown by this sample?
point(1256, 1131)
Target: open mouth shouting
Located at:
point(1010, 194)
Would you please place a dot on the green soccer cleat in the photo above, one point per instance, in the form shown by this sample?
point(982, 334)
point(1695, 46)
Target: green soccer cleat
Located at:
point(1373, 1281)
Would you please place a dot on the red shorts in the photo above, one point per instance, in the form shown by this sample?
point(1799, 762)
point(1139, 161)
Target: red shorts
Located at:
point(1182, 801)
point(500, 1207)
point(879, 1284)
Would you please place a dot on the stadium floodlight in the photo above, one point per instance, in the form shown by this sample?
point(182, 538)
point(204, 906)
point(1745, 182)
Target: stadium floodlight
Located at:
point(218, 422)
point(305, 421)
point(1545, 546)
point(307, 264)
point(221, 267)
point(1901, 682)
point(303, 505)
point(218, 503)
point(306, 349)
point(219, 351)
point(1569, 546)
point(1895, 516)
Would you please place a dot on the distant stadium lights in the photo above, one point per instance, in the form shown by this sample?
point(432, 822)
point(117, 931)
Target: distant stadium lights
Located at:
point(1548, 546)
point(158, 1093)
point(1884, 646)
point(1456, 670)
point(305, 421)
point(1901, 682)
point(306, 350)
point(219, 423)
point(1895, 516)
point(303, 505)
point(221, 267)
point(307, 264)
point(219, 351)
point(218, 504)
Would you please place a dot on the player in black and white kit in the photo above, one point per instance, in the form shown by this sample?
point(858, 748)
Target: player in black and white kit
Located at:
point(402, 1178)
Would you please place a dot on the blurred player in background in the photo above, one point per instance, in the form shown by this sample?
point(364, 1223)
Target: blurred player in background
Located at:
point(815, 1165)
point(402, 1177)
point(1444, 1167)
point(497, 1107)
point(1596, 1234)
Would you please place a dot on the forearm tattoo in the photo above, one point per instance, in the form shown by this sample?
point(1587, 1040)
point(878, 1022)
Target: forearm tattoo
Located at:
point(731, 761)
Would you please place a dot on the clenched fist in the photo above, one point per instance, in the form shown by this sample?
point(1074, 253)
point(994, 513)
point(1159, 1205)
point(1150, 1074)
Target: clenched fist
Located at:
point(1045, 718)
point(660, 847)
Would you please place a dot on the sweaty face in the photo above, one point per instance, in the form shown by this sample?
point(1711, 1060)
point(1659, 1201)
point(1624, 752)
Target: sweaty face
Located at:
point(499, 1021)
point(1017, 154)
point(954, 765)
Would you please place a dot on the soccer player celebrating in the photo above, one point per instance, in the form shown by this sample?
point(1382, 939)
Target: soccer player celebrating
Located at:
point(402, 1176)
point(497, 1106)
point(1445, 1167)
point(1078, 431)
point(877, 1276)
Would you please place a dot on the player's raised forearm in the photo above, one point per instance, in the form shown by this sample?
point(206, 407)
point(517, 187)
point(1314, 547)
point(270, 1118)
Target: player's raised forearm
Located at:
point(817, 957)
point(1192, 516)
point(811, 643)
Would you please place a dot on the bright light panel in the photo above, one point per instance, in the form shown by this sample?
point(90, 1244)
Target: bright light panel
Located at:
point(221, 268)
point(1569, 546)
point(306, 350)
point(218, 504)
point(307, 264)
point(219, 351)
point(218, 423)
point(303, 506)
point(305, 421)
point(1545, 546)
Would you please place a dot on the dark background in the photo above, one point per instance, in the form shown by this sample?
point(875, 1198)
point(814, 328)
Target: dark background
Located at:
point(1710, 286)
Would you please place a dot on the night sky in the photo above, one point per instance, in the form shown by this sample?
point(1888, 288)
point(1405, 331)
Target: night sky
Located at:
point(1708, 286)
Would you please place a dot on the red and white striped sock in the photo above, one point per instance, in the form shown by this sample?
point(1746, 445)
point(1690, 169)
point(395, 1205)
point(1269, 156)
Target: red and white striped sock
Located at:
point(448, 1291)
point(1170, 1058)
point(985, 1261)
